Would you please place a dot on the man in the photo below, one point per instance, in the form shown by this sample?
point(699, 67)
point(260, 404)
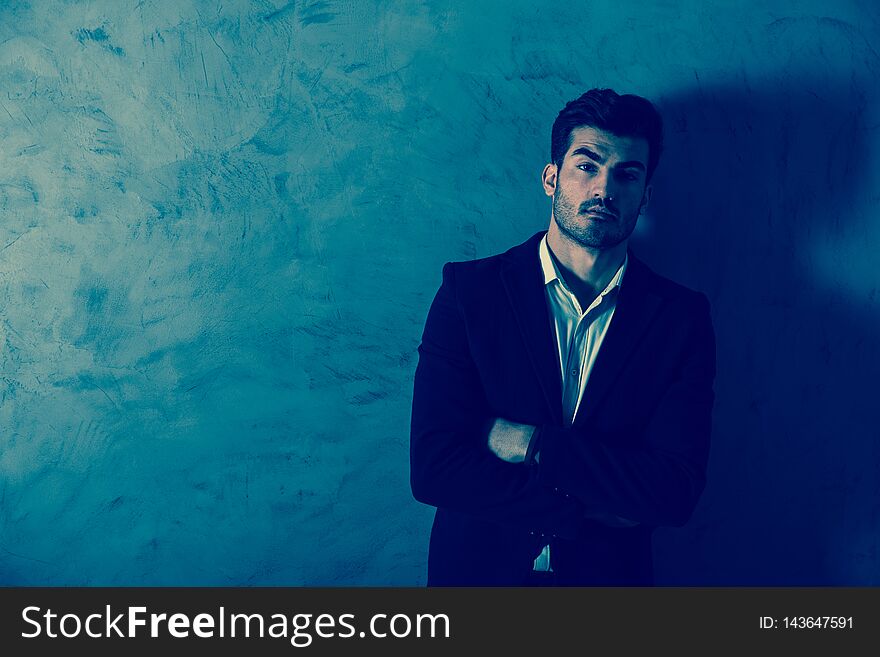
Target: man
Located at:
point(563, 397)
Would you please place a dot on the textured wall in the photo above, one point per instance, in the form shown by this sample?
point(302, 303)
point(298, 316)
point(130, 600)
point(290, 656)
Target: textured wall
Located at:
point(221, 225)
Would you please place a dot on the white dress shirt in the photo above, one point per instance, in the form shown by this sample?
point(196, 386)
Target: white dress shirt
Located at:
point(579, 336)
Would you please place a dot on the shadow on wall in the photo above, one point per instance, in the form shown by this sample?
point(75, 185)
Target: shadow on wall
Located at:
point(763, 201)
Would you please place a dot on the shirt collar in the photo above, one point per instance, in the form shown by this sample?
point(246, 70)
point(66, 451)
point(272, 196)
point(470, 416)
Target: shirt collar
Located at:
point(551, 272)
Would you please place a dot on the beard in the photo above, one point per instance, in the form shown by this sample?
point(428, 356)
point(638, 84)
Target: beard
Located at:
point(589, 232)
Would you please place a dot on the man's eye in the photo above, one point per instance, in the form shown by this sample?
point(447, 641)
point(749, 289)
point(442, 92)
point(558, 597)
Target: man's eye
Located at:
point(628, 176)
point(586, 167)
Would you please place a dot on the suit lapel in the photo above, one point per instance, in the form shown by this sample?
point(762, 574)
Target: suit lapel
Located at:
point(636, 308)
point(524, 283)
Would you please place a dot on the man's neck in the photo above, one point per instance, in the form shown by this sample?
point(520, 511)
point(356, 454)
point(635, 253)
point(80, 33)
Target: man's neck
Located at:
point(586, 271)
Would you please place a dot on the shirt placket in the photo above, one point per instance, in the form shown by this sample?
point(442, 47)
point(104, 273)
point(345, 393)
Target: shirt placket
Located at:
point(573, 372)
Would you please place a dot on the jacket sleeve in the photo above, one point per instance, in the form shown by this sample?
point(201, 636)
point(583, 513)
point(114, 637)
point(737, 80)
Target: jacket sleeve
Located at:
point(451, 464)
point(659, 481)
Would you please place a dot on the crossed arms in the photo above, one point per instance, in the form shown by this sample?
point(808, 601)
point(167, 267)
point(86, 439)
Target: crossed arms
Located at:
point(464, 459)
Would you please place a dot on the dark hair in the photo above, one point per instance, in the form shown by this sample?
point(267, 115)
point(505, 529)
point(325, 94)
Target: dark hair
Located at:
point(604, 109)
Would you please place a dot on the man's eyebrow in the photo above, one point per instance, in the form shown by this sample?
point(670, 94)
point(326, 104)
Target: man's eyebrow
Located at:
point(583, 150)
point(629, 164)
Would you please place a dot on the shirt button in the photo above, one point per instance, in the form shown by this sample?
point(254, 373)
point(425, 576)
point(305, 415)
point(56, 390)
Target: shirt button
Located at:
point(574, 372)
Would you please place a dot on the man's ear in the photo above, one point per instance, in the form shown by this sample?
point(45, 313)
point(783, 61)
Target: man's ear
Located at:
point(548, 178)
point(646, 197)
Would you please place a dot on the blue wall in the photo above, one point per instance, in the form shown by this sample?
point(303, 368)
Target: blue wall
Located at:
point(221, 225)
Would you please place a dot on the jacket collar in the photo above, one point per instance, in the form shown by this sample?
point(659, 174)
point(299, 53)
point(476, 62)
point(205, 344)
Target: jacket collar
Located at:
point(523, 280)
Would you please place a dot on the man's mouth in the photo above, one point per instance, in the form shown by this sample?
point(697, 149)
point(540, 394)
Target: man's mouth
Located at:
point(602, 214)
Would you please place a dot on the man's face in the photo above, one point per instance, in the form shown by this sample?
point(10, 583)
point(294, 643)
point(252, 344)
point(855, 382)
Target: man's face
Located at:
point(600, 188)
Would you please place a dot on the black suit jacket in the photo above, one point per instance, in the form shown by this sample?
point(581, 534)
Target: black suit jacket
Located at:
point(637, 450)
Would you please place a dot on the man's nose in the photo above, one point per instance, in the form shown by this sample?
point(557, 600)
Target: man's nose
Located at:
point(603, 186)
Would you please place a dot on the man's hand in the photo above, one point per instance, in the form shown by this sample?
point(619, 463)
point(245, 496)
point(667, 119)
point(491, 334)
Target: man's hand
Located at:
point(509, 441)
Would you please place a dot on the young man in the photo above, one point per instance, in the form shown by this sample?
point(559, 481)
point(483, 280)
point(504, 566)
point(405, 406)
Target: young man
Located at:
point(563, 397)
